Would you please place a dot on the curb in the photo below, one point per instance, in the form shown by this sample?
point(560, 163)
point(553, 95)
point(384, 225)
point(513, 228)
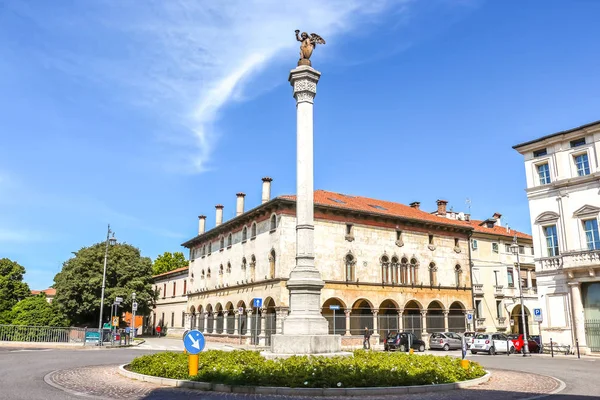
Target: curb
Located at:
point(267, 390)
point(560, 388)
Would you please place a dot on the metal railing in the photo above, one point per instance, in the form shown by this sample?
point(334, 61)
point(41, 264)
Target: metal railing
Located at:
point(592, 334)
point(18, 333)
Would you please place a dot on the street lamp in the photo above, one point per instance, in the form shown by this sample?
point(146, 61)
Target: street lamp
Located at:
point(515, 250)
point(133, 310)
point(109, 240)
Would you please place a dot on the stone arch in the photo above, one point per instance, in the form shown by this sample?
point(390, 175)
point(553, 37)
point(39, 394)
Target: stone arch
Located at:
point(210, 321)
point(432, 274)
point(230, 318)
point(458, 275)
point(219, 317)
point(404, 270)
point(546, 217)
point(384, 261)
point(340, 317)
point(456, 317)
point(412, 320)
point(395, 266)
point(388, 317)
point(435, 317)
point(192, 310)
point(515, 315)
point(361, 317)
point(414, 270)
point(350, 266)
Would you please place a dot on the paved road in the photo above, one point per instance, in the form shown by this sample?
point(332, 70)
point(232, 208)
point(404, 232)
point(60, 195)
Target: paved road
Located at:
point(22, 372)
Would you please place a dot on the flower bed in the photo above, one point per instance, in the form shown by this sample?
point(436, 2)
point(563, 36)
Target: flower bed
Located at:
point(365, 369)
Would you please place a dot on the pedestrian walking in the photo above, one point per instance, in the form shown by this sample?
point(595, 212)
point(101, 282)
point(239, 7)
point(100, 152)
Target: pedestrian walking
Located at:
point(366, 341)
point(158, 330)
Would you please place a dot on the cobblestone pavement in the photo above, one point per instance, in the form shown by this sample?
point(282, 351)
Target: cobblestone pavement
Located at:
point(105, 382)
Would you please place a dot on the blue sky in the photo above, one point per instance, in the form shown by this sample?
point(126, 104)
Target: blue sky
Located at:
point(146, 116)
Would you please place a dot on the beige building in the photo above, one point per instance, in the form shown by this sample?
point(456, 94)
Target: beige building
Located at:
point(170, 307)
point(386, 266)
point(49, 293)
point(563, 187)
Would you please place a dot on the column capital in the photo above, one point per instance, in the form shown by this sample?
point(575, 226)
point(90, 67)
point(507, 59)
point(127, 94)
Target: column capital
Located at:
point(574, 284)
point(225, 313)
point(249, 311)
point(375, 312)
point(400, 311)
point(304, 81)
point(445, 312)
point(348, 311)
point(423, 313)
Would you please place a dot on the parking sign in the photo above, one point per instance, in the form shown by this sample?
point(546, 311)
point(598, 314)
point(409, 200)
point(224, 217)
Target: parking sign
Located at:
point(537, 315)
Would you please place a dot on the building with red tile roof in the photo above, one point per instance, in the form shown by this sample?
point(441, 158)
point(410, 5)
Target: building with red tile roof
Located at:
point(50, 293)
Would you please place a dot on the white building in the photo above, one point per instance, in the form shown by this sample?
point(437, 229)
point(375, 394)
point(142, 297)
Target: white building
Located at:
point(170, 306)
point(563, 188)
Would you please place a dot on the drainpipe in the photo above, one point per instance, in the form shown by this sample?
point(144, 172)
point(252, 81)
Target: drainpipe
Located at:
point(471, 274)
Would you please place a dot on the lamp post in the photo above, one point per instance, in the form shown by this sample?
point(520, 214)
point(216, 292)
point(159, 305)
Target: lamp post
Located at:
point(133, 310)
point(515, 250)
point(110, 240)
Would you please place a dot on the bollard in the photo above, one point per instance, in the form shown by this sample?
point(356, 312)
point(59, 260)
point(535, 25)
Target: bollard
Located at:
point(411, 351)
point(551, 348)
point(193, 360)
point(464, 364)
point(508, 347)
point(577, 344)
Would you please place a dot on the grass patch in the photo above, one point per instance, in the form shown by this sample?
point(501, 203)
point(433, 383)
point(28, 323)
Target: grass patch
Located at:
point(365, 369)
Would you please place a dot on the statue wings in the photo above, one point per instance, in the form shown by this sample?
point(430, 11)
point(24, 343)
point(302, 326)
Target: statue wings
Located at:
point(316, 39)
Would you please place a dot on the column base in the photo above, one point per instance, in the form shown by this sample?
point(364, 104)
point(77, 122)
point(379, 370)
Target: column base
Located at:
point(305, 325)
point(305, 344)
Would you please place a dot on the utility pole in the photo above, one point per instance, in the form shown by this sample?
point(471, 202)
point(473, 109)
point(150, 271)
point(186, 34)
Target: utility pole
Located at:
point(111, 241)
point(515, 249)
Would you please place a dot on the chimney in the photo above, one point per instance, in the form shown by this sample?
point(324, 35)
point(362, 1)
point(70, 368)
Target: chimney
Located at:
point(467, 217)
point(266, 189)
point(219, 214)
point(415, 204)
point(441, 210)
point(239, 207)
point(201, 224)
point(498, 218)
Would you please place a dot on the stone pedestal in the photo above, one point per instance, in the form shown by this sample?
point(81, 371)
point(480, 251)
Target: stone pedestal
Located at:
point(305, 330)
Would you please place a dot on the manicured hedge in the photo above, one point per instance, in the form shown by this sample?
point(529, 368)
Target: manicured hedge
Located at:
point(365, 369)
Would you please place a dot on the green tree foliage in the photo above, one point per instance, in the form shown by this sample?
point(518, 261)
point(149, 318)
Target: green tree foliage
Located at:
point(79, 284)
point(12, 287)
point(168, 262)
point(36, 311)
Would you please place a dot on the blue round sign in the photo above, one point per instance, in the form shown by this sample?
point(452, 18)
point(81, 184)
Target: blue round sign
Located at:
point(194, 342)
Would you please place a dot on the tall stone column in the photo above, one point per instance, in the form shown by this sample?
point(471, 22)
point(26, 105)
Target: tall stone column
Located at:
point(305, 281)
point(236, 322)
point(446, 312)
point(215, 325)
point(424, 321)
point(578, 315)
point(529, 280)
point(375, 326)
point(225, 321)
point(400, 320)
point(262, 337)
point(249, 327)
point(205, 330)
point(347, 311)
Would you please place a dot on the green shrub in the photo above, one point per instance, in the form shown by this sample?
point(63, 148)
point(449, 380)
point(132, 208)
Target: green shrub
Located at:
point(365, 369)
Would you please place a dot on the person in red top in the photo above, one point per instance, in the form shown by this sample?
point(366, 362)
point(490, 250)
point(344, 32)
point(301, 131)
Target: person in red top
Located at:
point(158, 330)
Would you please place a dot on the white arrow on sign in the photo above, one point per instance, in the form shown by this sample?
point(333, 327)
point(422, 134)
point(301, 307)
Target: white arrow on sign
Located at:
point(195, 343)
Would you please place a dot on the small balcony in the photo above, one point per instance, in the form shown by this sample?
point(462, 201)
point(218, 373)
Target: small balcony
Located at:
point(499, 290)
point(478, 289)
point(578, 259)
point(480, 321)
point(501, 321)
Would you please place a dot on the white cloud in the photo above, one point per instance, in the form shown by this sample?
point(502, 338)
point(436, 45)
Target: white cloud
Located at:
point(188, 59)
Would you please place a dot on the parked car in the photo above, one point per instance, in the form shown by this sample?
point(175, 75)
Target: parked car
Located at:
point(399, 341)
point(445, 341)
point(492, 343)
point(469, 337)
point(519, 344)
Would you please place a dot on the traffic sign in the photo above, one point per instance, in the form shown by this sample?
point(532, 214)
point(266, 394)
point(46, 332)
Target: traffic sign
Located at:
point(118, 299)
point(194, 342)
point(257, 302)
point(469, 317)
point(115, 321)
point(334, 307)
point(240, 310)
point(134, 306)
point(537, 315)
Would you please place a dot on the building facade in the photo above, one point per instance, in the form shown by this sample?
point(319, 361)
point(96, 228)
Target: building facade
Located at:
point(563, 188)
point(170, 307)
point(386, 266)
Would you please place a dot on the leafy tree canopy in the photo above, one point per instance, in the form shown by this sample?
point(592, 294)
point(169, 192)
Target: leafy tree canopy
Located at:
point(168, 262)
point(79, 284)
point(36, 311)
point(12, 287)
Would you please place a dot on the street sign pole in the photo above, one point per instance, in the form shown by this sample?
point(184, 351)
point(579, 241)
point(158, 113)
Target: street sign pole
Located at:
point(334, 321)
point(194, 343)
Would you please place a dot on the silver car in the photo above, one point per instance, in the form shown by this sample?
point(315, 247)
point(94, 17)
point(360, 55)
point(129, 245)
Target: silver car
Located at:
point(445, 341)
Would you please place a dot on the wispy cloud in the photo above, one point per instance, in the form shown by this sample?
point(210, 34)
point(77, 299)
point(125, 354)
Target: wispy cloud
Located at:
point(187, 59)
point(23, 236)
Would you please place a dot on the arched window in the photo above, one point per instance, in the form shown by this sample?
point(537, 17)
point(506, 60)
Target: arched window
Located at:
point(243, 263)
point(432, 274)
point(244, 234)
point(395, 265)
point(252, 267)
point(221, 243)
point(350, 262)
point(228, 267)
point(221, 269)
point(414, 265)
point(209, 248)
point(404, 271)
point(272, 264)
point(229, 240)
point(458, 274)
point(253, 232)
point(208, 273)
point(385, 269)
point(273, 222)
point(202, 275)
point(204, 250)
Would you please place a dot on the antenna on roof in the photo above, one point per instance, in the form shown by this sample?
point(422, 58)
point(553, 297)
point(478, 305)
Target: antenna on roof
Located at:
point(468, 203)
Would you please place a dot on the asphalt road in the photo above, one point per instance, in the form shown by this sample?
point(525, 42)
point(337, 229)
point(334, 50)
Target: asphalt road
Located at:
point(22, 371)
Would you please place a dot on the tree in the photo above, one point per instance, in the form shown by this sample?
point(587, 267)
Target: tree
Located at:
point(168, 262)
point(79, 284)
point(36, 311)
point(12, 287)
